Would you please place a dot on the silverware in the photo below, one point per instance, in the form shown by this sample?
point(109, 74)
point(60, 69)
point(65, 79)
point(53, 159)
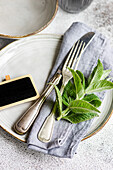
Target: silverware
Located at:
point(72, 61)
point(27, 119)
point(25, 122)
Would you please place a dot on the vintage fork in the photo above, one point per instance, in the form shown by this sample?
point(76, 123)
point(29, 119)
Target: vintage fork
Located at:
point(72, 61)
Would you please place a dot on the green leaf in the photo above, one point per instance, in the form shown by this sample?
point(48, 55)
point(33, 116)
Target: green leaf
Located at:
point(69, 92)
point(96, 74)
point(78, 85)
point(82, 77)
point(93, 99)
point(96, 103)
point(105, 74)
point(81, 106)
point(77, 118)
point(59, 99)
point(99, 86)
point(65, 102)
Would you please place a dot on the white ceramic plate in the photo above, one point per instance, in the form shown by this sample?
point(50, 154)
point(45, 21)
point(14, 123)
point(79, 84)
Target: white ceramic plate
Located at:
point(21, 18)
point(35, 55)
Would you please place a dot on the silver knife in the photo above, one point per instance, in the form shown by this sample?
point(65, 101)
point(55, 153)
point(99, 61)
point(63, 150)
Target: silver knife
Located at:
point(27, 119)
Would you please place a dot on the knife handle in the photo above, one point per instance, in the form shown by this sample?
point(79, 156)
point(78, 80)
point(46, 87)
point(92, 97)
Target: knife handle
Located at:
point(27, 119)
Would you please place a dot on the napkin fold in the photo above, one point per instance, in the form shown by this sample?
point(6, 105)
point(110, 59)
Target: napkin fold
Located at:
point(67, 136)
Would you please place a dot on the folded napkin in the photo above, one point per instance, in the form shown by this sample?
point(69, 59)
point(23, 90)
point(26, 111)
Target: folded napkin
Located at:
point(67, 136)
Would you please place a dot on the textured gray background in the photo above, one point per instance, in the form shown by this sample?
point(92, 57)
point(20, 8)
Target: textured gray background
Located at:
point(95, 153)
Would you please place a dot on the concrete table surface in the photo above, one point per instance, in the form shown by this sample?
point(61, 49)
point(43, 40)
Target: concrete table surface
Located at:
point(95, 153)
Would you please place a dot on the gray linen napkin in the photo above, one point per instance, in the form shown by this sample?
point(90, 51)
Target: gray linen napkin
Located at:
point(66, 136)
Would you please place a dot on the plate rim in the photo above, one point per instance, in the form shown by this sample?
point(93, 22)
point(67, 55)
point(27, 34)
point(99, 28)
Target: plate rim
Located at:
point(35, 32)
point(58, 36)
point(100, 128)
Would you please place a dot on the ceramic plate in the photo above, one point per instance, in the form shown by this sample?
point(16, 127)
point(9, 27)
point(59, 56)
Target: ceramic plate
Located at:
point(35, 55)
point(21, 18)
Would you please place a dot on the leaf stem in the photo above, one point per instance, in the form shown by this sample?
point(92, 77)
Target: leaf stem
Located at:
point(64, 113)
point(58, 118)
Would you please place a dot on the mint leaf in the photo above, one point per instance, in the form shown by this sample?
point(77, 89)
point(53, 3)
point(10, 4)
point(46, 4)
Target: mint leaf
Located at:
point(81, 106)
point(69, 93)
point(93, 99)
point(78, 85)
point(99, 86)
point(59, 99)
point(105, 74)
point(82, 77)
point(77, 118)
point(96, 74)
point(65, 102)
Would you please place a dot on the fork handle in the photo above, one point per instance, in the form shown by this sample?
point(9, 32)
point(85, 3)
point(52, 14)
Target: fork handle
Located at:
point(25, 122)
point(46, 131)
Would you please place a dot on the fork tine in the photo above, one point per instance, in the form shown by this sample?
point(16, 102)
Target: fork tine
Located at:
point(73, 54)
point(69, 55)
point(78, 55)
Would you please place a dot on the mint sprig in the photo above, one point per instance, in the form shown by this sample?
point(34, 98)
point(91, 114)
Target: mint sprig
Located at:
point(93, 99)
point(78, 102)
